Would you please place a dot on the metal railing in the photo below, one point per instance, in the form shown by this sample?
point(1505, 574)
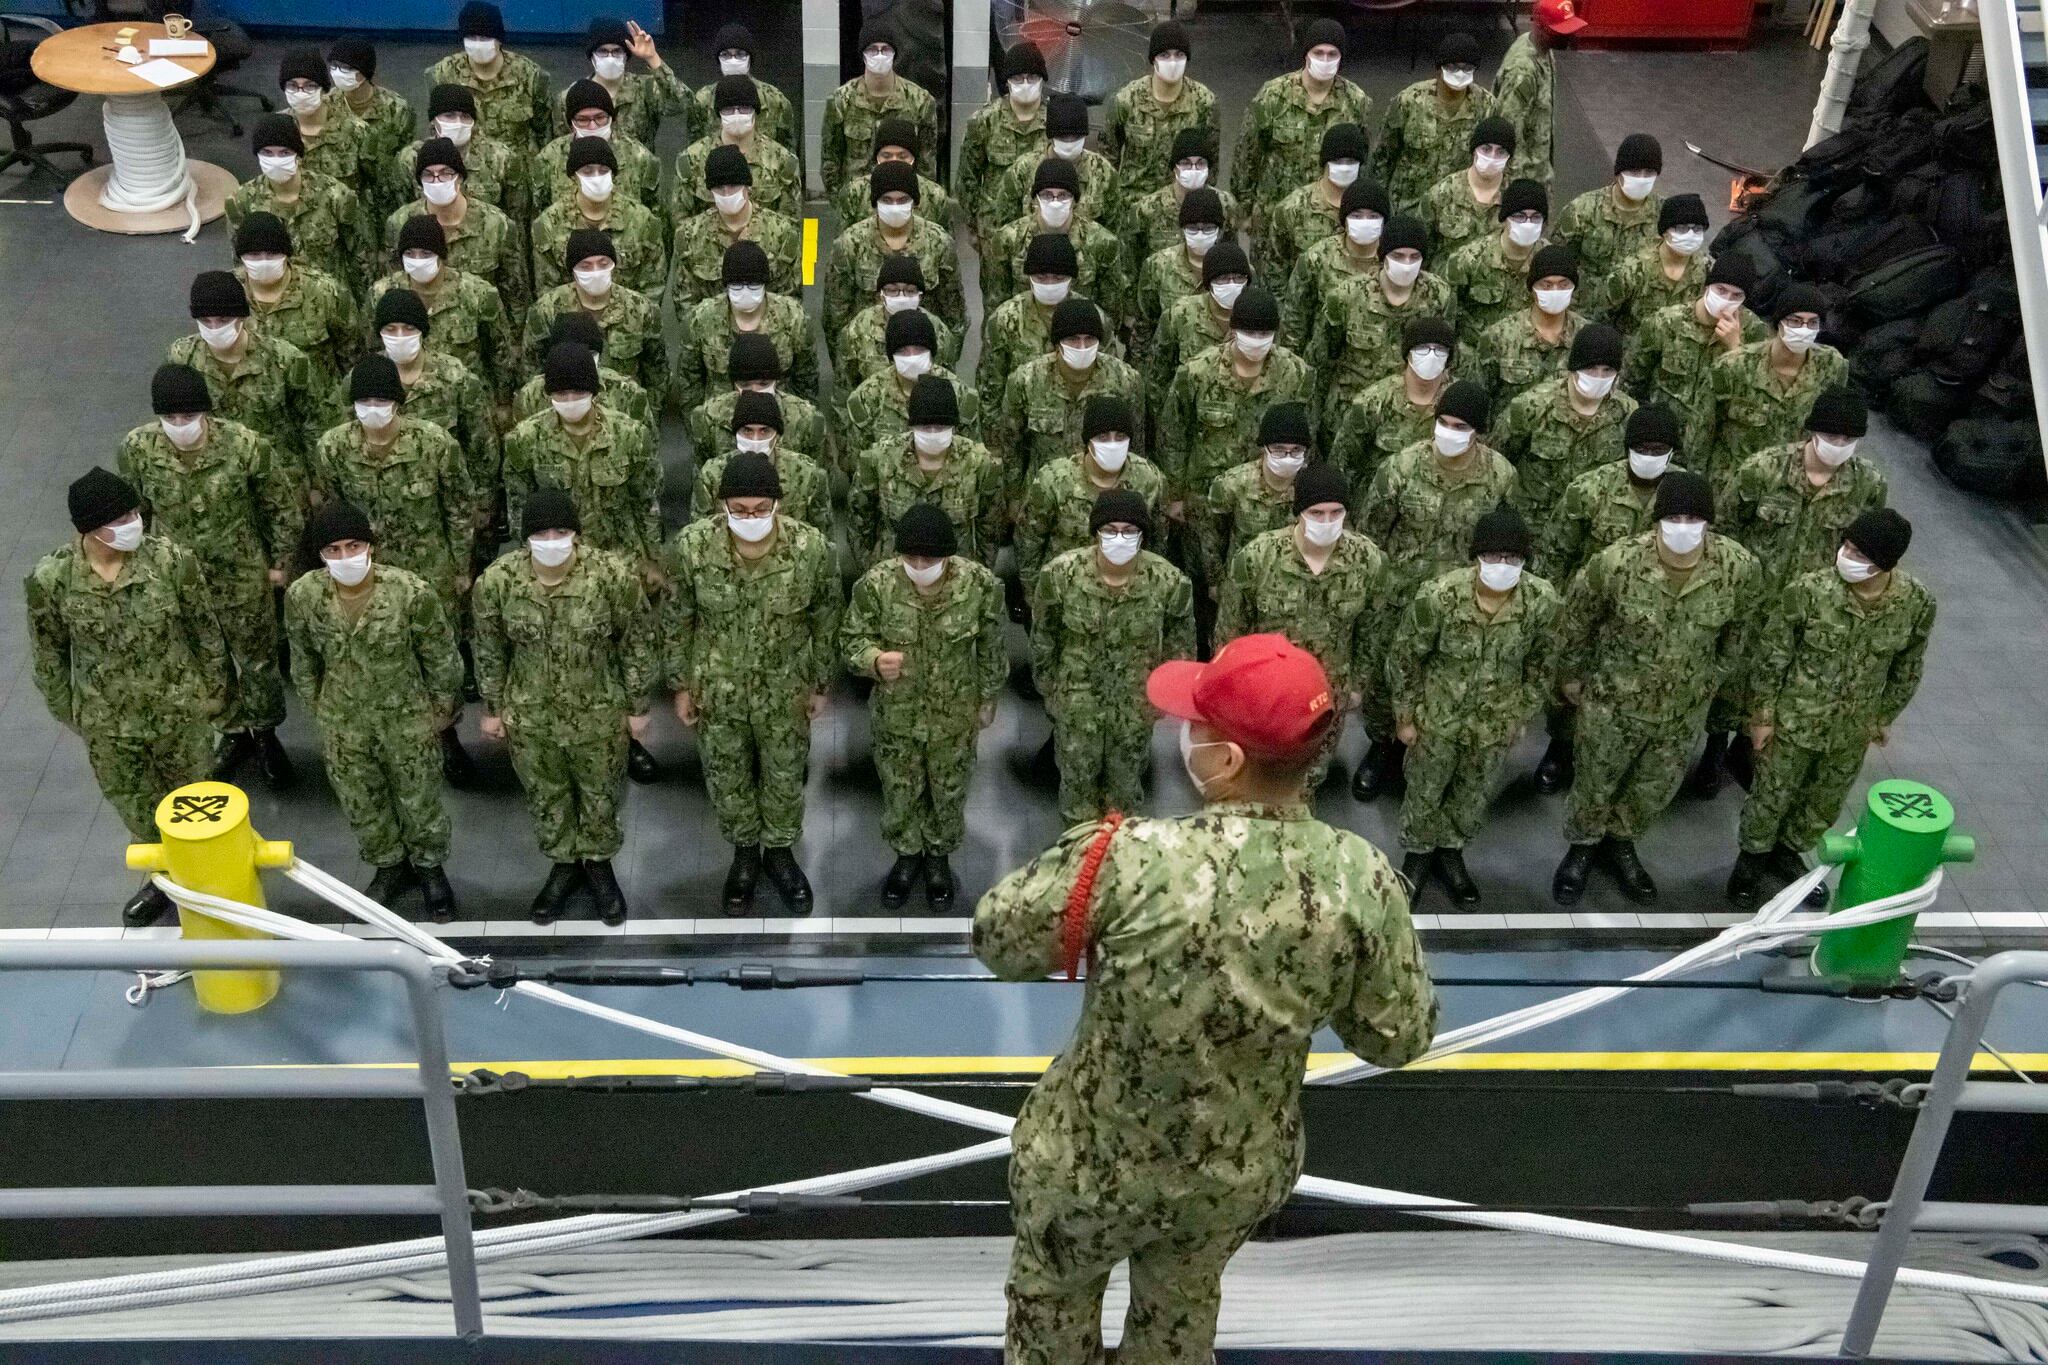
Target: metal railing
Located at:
point(428, 1083)
point(1951, 1089)
point(2019, 173)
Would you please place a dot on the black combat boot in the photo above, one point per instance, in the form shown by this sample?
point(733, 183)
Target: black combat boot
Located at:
point(563, 879)
point(903, 878)
point(391, 882)
point(240, 748)
point(1568, 883)
point(272, 761)
point(1554, 771)
point(1450, 870)
point(1784, 861)
point(1629, 873)
point(1379, 771)
point(788, 879)
point(145, 907)
point(1705, 778)
point(641, 766)
point(456, 764)
point(1415, 865)
point(438, 895)
point(740, 878)
point(605, 888)
point(940, 884)
point(1746, 881)
point(1740, 761)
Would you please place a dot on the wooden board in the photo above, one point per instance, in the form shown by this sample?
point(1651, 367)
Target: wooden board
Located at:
point(82, 201)
point(82, 59)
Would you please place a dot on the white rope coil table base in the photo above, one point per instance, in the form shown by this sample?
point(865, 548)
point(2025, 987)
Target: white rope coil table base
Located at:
point(149, 158)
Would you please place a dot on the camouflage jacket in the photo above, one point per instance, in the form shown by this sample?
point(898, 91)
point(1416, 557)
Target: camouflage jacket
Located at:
point(1357, 338)
point(639, 239)
point(1092, 645)
point(776, 117)
point(750, 635)
point(1281, 139)
point(1831, 666)
point(620, 392)
point(491, 172)
point(1755, 409)
point(698, 254)
point(314, 313)
point(1454, 216)
point(1190, 325)
point(1671, 360)
point(1211, 418)
point(704, 345)
point(857, 352)
point(935, 203)
point(1166, 277)
point(1223, 941)
point(1458, 673)
point(1299, 221)
point(993, 140)
point(1648, 647)
point(485, 244)
point(1101, 199)
point(847, 136)
point(887, 482)
point(631, 321)
point(1138, 131)
point(274, 390)
point(1550, 444)
point(638, 177)
point(611, 473)
point(1061, 500)
point(1772, 510)
point(1379, 424)
point(341, 151)
point(561, 657)
point(387, 126)
point(1525, 94)
point(956, 658)
point(1152, 222)
point(1517, 358)
point(231, 502)
point(514, 106)
point(850, 281)
point(1421, 513)
point(138, 657)
point(879, 408)
point(803, 425)
point(1605, 230)
point(466, 319)
point(1596, 509)
point(806, 489)
point(1041, 417)
point(1240, 504)
point(1322, 268)
point(1097, 250)
point(416, 492)
point(1333, 614)
point(325, 221)
point(1639, 286)
point(1422, 140)
point(449, 395)
point(778, 179)
point(393, 664)
point(1489, 285)
point(1017, 330)
point(644, 100)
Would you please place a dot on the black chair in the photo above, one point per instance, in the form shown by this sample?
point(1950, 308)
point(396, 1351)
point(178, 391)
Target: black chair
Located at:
point(231, 48)
point(24, 99)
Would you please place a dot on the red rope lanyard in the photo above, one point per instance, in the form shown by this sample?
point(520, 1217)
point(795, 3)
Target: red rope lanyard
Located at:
point(1074, 921)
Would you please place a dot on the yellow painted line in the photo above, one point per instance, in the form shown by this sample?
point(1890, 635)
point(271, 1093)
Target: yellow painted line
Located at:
point(1464, 1061)
point(810, 251)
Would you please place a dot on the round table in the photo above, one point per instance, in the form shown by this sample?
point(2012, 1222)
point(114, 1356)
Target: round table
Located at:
point(149, 185)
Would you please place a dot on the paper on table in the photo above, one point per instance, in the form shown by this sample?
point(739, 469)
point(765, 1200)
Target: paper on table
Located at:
point(163, 74)
point(177, 47)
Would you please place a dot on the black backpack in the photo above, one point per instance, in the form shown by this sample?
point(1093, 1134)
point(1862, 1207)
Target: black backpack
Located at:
point(1906, 287)
point(1836, 160)
point(1964, 138)
point(1894, 239)
point(1998, 457)
point(2009, 388)
point(1968, 214)
point(1895, 84)
point(1963, 340)
point(1858, 204)
point(1884, 355)
point(1922, 406)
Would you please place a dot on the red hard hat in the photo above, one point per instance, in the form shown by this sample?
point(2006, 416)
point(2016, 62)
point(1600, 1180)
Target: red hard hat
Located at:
point(1263, 692)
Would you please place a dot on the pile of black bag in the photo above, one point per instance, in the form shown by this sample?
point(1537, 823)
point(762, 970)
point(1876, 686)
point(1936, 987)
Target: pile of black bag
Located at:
point(1900, 221)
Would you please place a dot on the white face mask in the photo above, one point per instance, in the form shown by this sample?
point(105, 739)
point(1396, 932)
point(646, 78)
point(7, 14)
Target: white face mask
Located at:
point(1719, 305)
point(264, 269)
point(1079, 355)
point(925, 577)
point(1428, 361)
point(1324, 68)
point(753, 445)
point(1026, 91)
point(1592, 385)
point(1199, 240)
point(878, 63)
point(911, 364)
point(1192, 177)
point(1637, 186)
point(734, 63)
point(746, 298)
point(1055, 213)
point(1854, 568)
point(608, 66)
point(1456, 78)
point(403, 348)
point(894, 215)
point(376, 413)
point(1068, 148)
point(221, 337)
point(931, 440)
point(122, 535)
point(1799, 340)
point(1169, 69)
point(1364, 228)
point(440, 193)
point(1110, 454)
point(603, 132)
point(571, 409)
point(729, 202)
point(1554, 301)
point(345, 78)
point(1401, 274)
point(1120, 547)
point(1225, 292)
point(349, 570)
point(892, 304)
point(753, 530)
point(1681, 537)
point(551, 552)
point(1255, 345)
point(1050, 295)
point(596, 186)
point(595, 280)
point(1322, 531)
point(1341, 173)
point(1284, 467)
point(277, 167)
point(1646, 466)
point(1686, 240)
point(421, 269)
point(1833, 454)
point(1450, 442)
point(737, 123)
point(1499, 577)
point(302, 101)
point(482, 51)
point(1525, 231)
point(183, 435)
point(455, 127)
point(1489, 163)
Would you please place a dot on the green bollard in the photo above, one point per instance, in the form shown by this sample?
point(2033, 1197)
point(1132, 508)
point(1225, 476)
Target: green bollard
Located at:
point(1902, 837)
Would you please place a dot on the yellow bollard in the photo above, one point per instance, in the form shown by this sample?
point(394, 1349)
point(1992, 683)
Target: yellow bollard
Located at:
point(209, 845)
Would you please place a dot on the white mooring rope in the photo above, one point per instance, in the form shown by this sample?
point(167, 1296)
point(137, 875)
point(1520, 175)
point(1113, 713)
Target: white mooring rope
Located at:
point(149, 173)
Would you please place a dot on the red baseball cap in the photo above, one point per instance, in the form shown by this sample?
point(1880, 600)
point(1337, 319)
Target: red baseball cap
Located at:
point(1559, 16)
point(1263, 692)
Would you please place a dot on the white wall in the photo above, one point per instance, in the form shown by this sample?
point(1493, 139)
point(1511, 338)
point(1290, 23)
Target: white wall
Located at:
point(1892, 22)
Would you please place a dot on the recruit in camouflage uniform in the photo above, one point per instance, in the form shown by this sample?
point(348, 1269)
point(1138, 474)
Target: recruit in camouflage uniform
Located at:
point(323, 218)
point(1322, 269)
point(609, 471)
point(776, 117)
point(896, 140)
point(997, 138)
point(778, 180)
point(1152, 222)
point(382, 680)
point(1211, 417)
point(238, 509)
point(704, 345)
point(850, 283)
point(1098, 252)
point(1517, 358)
point(1643, 285)
point(620, 392)
point(1139, 128)
point(859, 349)
point(1551, 443)
point(492, 173)
point(1333, 614)
point(1061, 498)
point(1243, 502)
point(1426, 132)
point(1092, 646)
point(486, 244)
point(638, 237)
point(1454, 215)
point(644, 100)
point(846, 137)
point(1042, 411)
point(638, 176)
point(337, 152)
point(890, 477)
point(469, 322)
point(1283, 131)
point(513, 104)
point(562, 667)
point(1017, 330)
point(1490, 277)
point(1382, 422)
point(445, 392)
point(750, 642)
point(1191, 325)
point(1421, 510)
point(1102, 1170)
point(1525, 94)
point(879, 408)
point(387, 120)
point(416, 491)
point(1309, 213)
point(1097, 197)
point(1601, 506)
point(273, 389)
point(633, 343)
point(803, 426)
point(1170, 276)
point(954, 661)
point(1672, 360)
point(313, 312)
point(697, 257)
point(136, 667)
point(1357, 336)
point(1605, 227)
point(1755, 407)
point(806, 485)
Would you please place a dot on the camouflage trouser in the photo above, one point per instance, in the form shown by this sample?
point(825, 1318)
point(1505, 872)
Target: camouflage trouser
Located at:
point(247, 612)
point(1450, 784)
point(1101, 752)
point(1059, 1268)
point(754, 771)
point(137, 774)
point(389, 784)
point(1796, 795)
point(924, 791)
point(1626, 770)
point(574, 775)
